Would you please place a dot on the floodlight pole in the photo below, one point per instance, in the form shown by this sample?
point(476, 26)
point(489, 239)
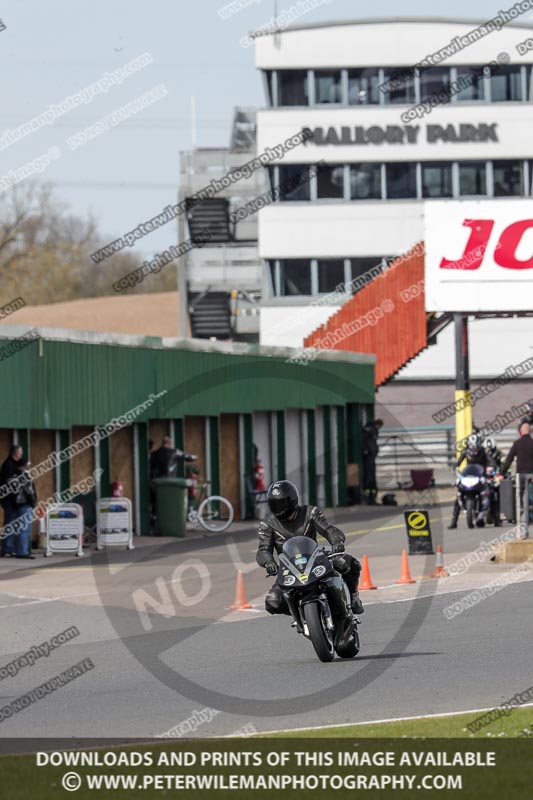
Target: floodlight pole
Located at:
point(463, 402)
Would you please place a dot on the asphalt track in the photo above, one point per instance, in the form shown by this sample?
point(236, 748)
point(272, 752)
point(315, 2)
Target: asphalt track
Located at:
point(254, 669)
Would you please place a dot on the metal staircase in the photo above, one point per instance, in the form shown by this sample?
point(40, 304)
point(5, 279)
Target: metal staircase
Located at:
point(210, 315)
point(208, 220)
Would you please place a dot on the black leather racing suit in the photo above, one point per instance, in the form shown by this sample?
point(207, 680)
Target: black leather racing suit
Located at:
point(479, 457)
point(309, 521)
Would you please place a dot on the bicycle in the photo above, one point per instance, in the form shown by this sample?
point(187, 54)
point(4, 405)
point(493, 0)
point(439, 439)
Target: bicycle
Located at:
point(214, 512)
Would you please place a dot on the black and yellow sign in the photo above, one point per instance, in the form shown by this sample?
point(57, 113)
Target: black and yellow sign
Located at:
point(418, 531)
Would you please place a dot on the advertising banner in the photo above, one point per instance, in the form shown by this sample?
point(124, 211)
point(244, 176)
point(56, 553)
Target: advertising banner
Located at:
point(64, 529)
point(113, 522)
point(479, 255)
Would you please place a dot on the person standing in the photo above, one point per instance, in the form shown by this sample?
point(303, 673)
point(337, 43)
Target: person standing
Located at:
point(522, 450)
point(25, 501)
point(163, 462)
point(8, 470)
point(370, 451)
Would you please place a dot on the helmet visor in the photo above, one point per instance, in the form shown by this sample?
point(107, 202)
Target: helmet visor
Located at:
point(280, 506)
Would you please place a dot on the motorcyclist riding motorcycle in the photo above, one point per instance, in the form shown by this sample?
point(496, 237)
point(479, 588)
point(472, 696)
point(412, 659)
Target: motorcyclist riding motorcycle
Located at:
point(495, 459)
point(288, 518)
point(494, 454)
point(473, 453)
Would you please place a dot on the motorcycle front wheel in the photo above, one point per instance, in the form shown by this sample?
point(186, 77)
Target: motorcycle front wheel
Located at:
point(470, 511)
point(350, 648)
point(320, 637)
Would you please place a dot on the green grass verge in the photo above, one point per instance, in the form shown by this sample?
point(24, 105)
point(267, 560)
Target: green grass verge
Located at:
point(515, 724)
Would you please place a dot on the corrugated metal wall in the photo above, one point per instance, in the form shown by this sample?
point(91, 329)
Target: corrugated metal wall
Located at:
point(399, 333)
point(58, 384)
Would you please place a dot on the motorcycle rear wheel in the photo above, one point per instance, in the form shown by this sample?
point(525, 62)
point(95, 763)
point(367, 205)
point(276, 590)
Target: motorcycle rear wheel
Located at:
point(321, 639)
point(470, 511)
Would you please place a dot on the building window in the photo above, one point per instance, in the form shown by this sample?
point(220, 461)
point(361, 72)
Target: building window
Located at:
point(529, 177)
point(295, 276)
point(328, 86)
point(330, 182)
point(508, 178)
point(294, 182)
point(293, 87)
point(473, 80)
point(401, 181)
point(506, 84)
point(269, 81)
point(529, 83)
point(272, 277)
point(363, 87)
point(437, 179)
point(472, 178)
point(330, 274)
point(365, 181)
point(360, 268)
point(433, 80)
point(402, 89)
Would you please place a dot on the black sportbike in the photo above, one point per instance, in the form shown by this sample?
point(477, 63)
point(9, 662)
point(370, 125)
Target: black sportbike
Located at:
point(318, 598)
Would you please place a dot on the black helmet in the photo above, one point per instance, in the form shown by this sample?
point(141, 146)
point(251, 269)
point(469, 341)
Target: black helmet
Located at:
point(283, 499)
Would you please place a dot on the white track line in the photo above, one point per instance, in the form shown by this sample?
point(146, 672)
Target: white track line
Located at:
point(392, 719)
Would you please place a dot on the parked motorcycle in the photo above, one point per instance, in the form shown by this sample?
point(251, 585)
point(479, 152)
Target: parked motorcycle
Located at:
point(318, 598)
point(471, 487)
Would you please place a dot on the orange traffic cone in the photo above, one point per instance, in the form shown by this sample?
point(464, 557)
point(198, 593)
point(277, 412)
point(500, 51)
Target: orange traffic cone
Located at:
point(366, 581)
point(405, 576)
point(439, 571)
point(240, 600)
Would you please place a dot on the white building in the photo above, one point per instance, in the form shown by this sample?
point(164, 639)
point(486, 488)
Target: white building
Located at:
point(386, 155)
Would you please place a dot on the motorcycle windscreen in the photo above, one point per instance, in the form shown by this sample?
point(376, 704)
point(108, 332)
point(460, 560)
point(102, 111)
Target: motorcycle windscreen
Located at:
point(299, 546)
point(473, 471)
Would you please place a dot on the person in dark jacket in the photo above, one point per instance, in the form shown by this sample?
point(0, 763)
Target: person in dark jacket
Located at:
point(522, 450)
point(370, 451)
point(288, 518)
point(472, 453)
point(25, 501)
point(494, 454)
point(163, 462)
point(8, 470)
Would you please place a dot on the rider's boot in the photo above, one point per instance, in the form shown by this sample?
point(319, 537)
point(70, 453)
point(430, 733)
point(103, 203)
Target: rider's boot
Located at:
point(357, 606)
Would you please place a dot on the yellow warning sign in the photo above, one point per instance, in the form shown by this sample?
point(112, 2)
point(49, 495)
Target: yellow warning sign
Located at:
point(417, 520)
point(418, 531)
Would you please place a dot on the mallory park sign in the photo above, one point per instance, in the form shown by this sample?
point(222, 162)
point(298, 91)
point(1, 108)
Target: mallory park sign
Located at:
point(401, 134)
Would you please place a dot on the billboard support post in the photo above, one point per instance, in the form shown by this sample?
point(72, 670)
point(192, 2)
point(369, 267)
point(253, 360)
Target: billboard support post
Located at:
point(463, 402)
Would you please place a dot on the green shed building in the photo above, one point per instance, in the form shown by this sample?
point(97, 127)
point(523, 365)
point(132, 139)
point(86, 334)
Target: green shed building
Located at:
point(229, 403)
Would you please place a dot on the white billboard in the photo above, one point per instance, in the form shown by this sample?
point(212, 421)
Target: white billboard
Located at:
point(479, 255)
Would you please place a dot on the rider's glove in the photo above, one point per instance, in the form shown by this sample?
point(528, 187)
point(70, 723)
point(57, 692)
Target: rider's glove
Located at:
point(338, 548)
point(271, 568)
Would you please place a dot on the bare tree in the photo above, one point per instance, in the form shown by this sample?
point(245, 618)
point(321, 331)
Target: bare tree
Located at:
point(45, 252)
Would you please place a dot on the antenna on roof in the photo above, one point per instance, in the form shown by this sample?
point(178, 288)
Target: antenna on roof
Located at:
point(193, 122)
point(277, 37)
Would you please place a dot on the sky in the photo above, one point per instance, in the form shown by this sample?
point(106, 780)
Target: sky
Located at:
point(51, 50)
